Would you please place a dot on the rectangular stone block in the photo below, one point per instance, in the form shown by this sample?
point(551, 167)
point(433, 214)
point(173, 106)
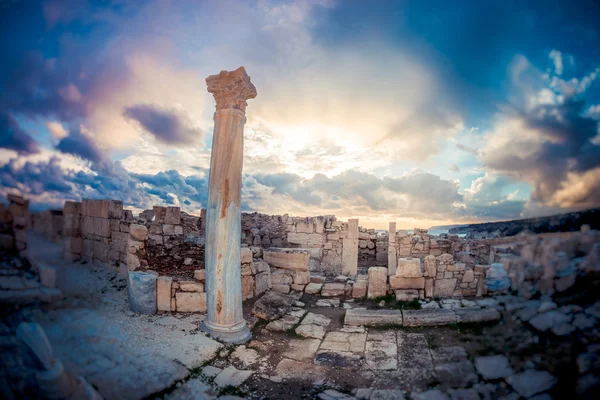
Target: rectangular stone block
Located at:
point(245, 255)
point(159, 214)
point(88, 248)
point(377, 282)
point(429, 287)
point(392, 232)
point(352, 228)
point(409, 268)
point(163, 293)
point(72, 207)
point(173, 216)
point(308, 240)
point(304, 226)
point(428, 317)
point(247, 287)
point(102, 227)
point(407, 283)
point(87, 228)
point(119, 241)
point(359, 290)
point(333, 289)
point(290, 259)
point(392, 259)
point(262, 282)
point(115, 209)
point(191, 302)
point(364, 317)
point(444, 287)
point(350, 256)
point(101, 251)
point(191, 286)
point(406, 294)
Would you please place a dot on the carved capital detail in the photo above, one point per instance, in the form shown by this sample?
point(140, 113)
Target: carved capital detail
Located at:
point(231, 89)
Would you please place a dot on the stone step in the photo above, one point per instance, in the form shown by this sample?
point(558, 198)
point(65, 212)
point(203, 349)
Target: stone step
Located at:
point(426, 317)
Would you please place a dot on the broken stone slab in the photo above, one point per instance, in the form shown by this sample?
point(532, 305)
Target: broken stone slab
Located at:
point(377, 282)
point(290, 259)
point(311, 331)
point(232, 376)
point(466, 315)
point(190, 301)
point(302, 350)
point(141, 287)
point(548, 320)
point(337, 358)
point(245, 356)
point(409, 267)
point(381, 355)
point(428, 317)
point(283, 324)
point(362, 316)
point(531, 382)
point(273, 305)
point(493, 367)
point(316, 319)
point(313, 288)
point(210, 372)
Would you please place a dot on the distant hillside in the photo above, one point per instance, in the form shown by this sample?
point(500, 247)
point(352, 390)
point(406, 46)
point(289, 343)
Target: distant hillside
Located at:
point(445, 227)
point(554, 223)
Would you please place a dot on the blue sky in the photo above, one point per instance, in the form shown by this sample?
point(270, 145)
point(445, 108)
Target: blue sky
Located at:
point(422, 112)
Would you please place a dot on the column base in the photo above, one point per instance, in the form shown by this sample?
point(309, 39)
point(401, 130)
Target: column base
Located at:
point(235, 334)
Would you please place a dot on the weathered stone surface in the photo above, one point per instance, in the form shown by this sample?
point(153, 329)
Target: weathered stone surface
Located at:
point(245, 255)
point(448, 354)
point(444, 287)
point(290, 259)
point(430, 266)
point(302, 350)
point(359, 289)
point(191, 301)
point(283, 324)
point(530, 382)
point(409, 268)
point(433, 394)
point(377, 282)
point(362, 316)
point(350, 256)
point(406, 294)
point(381, 355)
point(313, 288)
point(301, 277)
point(465, 315)
point(272, 305)
point(311, 331)
point(200, 274)
point(406, 283)
point(333, 289)
point(458, 374)
point(428, 317)
point(142, 291)
point(191, 286)
point(493, 367)
point(247, 287)
point(138, 232)
point(163, 293)
point(231, 376)
point(292, 369)
point(285, 289)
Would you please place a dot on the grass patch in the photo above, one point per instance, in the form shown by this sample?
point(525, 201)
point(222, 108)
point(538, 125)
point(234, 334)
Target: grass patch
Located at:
point(231, 391)
point(291, 332)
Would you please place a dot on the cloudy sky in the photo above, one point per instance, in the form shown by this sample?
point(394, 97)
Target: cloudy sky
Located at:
point(421, 112)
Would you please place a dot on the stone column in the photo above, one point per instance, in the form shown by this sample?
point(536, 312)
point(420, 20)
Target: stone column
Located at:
point(224, 319)
point(350, 249)
point(392, 254)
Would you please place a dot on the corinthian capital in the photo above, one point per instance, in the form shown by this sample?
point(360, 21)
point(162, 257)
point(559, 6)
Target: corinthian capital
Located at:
point(231, 89)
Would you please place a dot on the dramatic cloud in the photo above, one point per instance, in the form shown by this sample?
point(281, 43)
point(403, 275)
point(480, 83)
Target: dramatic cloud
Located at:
point(80, 143)
point(547, 141)
point(168, 126)
point(14, 138)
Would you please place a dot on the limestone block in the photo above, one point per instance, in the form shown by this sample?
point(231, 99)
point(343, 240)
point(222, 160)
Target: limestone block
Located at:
point(362, 244)
point(456, 267)
point(261, 266)
point(364, 317)
point(333, 289)
point(377, 282)
point(307, 240)
point(247, 270)
point(87, 227)
point(304, 226)
point(297, 288)
point(359, 289)
point(290, 259)
point(247, 287)
point(170, 230)
point(319, 224)
point(350, 256)
point(429, 287)
point(333, 237)
point(159, 214)
point(445, 259)
point(163, 293)
point(119, 241)
point(313, 288)
point(200, 274)
point(406, 294)
point(115, 209)
point(133, 262)
point(76, 244)
point(444, 287)
point(141, 287)
point(407, 283)
point(262, 282)
point(301, 277)
point(428, 317)
point(88, 248)
point(281, 277)
point(155, 239)
point(430, 264)
point(245, 255)
point(191, 302)
point(280, 288)
point(392, 260)
point(72, 207)
point(138, 232)
point(173, 216)
point(191, 286)
point(353, 228)
point(327, 246)
point(409, 268)
point(469, 276)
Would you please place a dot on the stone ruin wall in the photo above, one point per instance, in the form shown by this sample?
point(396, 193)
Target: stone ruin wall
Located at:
point(14, 224)
point(418, 265)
